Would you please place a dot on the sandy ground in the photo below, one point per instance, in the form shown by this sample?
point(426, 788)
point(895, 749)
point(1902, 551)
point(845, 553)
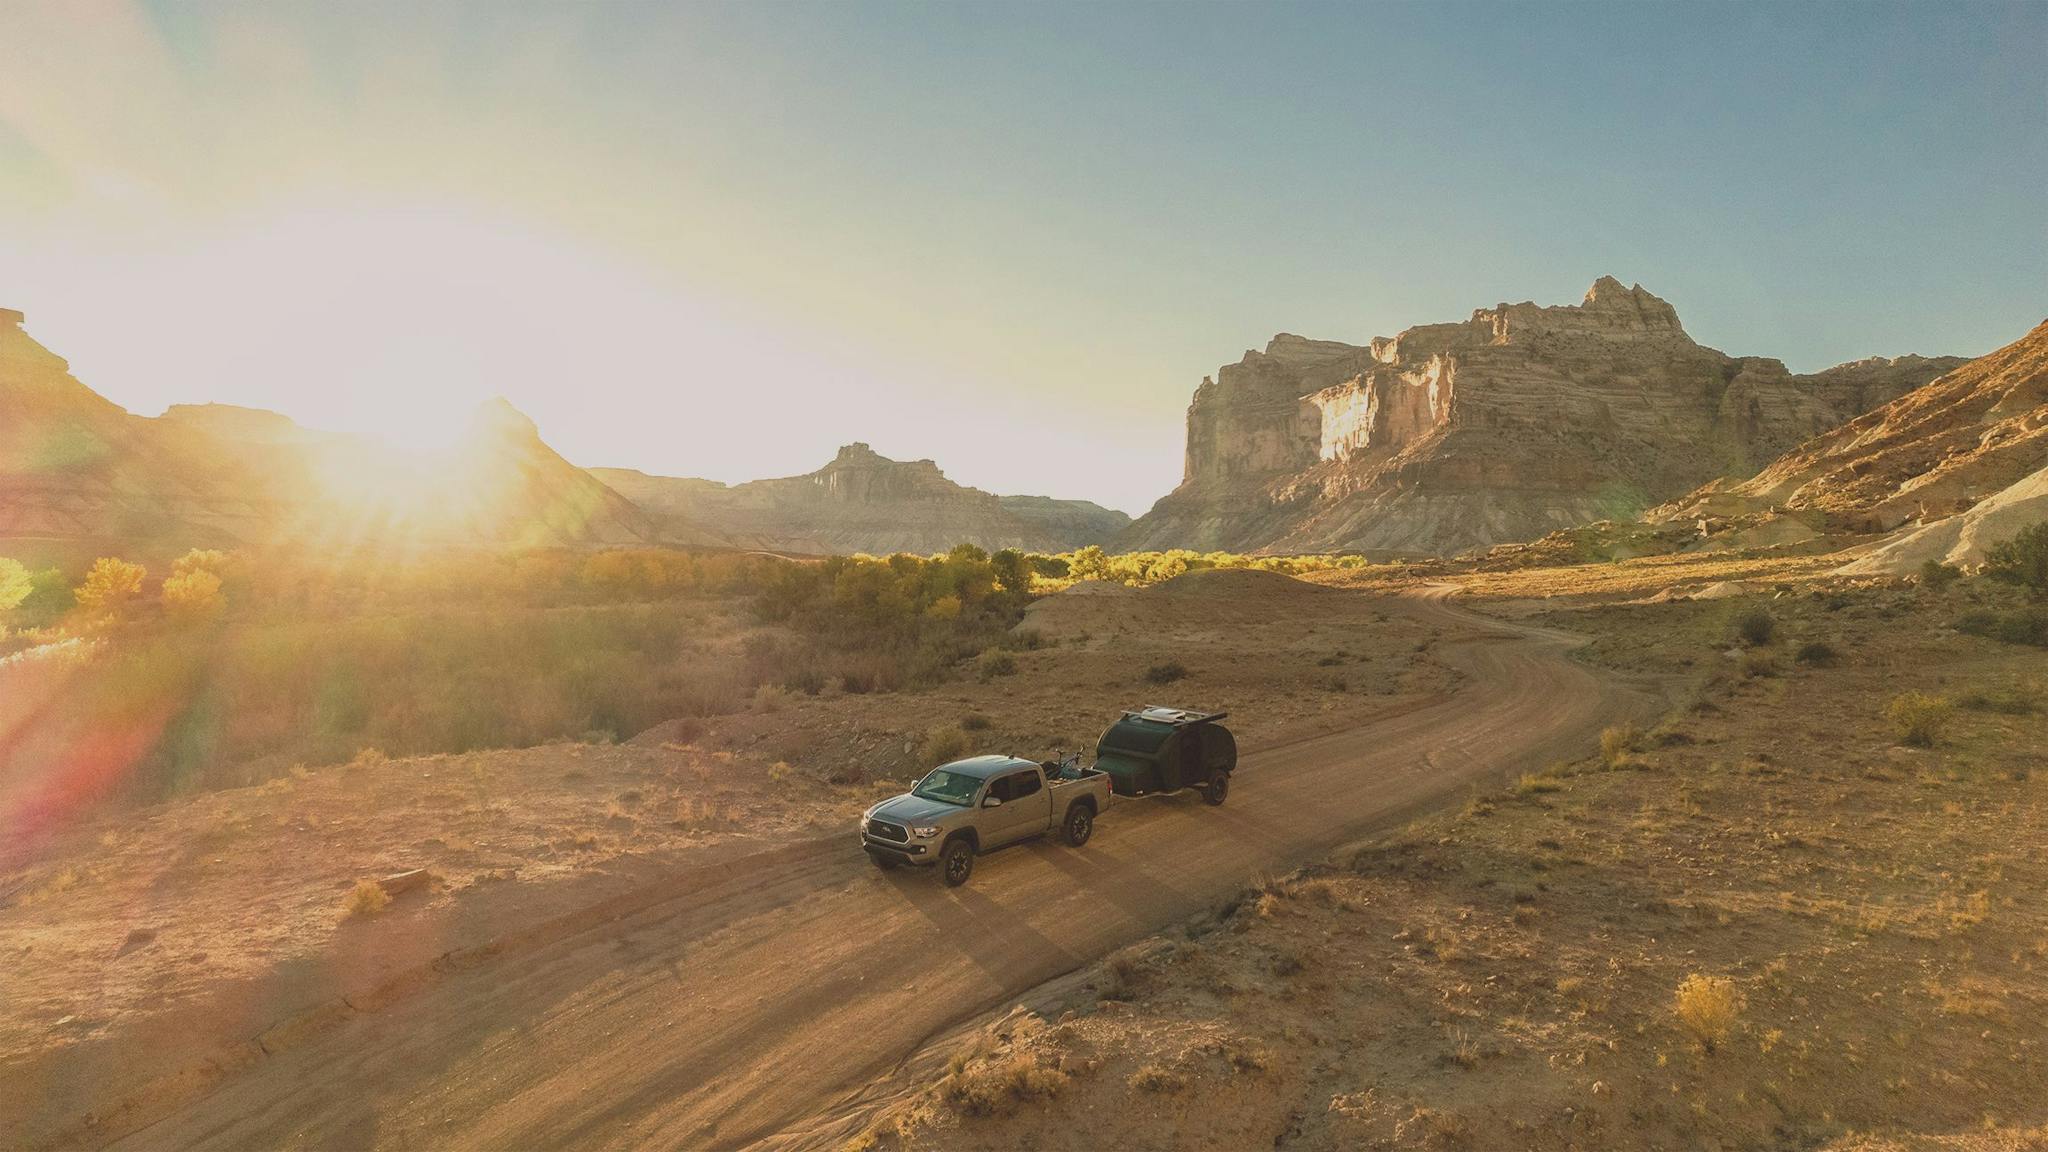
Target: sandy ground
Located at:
point(743, 969)
point(1507, 974)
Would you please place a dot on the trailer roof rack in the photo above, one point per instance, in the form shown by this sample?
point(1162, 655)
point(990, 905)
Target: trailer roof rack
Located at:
point(1159, 714)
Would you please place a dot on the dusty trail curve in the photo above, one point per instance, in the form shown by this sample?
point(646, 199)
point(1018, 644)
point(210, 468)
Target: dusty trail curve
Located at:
point(725, 1017)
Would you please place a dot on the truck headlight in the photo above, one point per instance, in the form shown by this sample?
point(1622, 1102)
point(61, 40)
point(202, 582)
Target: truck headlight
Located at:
point(926, 832)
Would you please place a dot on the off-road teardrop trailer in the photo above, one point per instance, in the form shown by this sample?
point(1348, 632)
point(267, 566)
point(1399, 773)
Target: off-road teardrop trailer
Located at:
point(1156, 749)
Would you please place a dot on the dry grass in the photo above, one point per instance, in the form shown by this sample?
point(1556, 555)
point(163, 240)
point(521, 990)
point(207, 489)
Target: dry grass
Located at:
point(1707, 1006)
point(1157, 1078)
point(366, 899)
point(994, 1087)
point(1918, 718)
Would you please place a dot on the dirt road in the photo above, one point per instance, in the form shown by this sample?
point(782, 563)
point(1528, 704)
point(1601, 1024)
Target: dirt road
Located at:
point(724, 1017)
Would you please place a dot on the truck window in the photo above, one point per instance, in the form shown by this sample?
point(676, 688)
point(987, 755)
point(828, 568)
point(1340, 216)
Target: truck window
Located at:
point(1023, 784)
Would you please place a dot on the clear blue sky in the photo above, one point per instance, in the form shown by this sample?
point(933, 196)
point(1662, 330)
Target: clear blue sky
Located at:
point(721, 240)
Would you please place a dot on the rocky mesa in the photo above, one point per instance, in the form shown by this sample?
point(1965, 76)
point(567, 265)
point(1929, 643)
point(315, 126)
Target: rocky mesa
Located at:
point(865, 502)
point(1520, 421)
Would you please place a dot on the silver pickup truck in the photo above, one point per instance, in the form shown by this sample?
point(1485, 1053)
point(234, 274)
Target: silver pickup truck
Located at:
point(971, 806)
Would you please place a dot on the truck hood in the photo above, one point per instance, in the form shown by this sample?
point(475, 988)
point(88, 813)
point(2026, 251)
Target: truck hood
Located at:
point(908, 810)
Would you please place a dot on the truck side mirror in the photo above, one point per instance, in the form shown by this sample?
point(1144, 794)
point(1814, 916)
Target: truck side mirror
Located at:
point(992, 802)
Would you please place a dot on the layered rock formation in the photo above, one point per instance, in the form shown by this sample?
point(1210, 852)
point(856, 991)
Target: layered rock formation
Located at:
point(74, 467)
point(1931, 453)
point(1520, 421)
point(865, 502)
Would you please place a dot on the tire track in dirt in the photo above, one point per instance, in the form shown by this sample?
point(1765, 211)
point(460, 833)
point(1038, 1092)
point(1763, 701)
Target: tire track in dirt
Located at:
point(768, 998)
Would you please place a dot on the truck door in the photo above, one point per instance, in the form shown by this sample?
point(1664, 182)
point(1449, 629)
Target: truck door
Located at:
point(1027, 809)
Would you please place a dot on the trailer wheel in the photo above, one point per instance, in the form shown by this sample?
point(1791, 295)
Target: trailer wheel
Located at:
point(956, 862)
point(1219, 787)
point(1080, 825)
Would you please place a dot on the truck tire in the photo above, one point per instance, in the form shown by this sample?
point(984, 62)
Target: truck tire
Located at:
point(884, 860)
point(956, 861)
point(1079, 824)
point(1219, 787)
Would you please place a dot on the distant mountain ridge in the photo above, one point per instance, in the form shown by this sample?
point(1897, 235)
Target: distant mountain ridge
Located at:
point(76, 467)
point(78, 470)
point(862, 501)
point(1517, 422)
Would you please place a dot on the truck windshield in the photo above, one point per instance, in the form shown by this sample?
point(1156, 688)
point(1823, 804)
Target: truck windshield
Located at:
point(947, 787)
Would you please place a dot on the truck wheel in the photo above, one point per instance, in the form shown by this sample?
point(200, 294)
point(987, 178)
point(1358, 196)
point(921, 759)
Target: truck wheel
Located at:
point(956, 862)
point(1219, 787)
point(1080, 825)
point(883, 860)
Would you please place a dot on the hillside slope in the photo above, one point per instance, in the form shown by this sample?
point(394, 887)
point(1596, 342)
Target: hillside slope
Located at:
point(1935, 451)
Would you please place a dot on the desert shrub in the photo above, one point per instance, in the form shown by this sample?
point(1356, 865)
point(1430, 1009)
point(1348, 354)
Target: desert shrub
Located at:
point(191, 593)
point(1755, 665)
point(2022, 560)
point(994, 664)
point(367, 898)
point(2022, 699)
point(1617, 742)
point(1818, 653)
point(2026, 626)
point(1756, 626)
point(1707, 1006)
point(1532, 784)
point(1157, 1078)
point(1936, 576)
point(1121, 975)
point(998, 1086)
point(809, 680)
point(1165, 673)
point(109, 584)
point(976, 722)
point(15, 584)
point(1242, 1056)
point(1918, 718)
point(1978, 622)
point(941, 745)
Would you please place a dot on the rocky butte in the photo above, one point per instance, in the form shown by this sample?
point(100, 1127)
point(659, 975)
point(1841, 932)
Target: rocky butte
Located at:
point(863, 501)
point(1520, 421)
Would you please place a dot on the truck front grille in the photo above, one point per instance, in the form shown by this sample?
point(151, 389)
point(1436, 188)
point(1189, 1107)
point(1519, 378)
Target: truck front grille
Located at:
point(882, 829)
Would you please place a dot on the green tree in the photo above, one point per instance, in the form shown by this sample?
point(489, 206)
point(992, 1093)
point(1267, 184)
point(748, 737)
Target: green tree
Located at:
point(2022, 560)
point(15, 584)
point(1013, 571)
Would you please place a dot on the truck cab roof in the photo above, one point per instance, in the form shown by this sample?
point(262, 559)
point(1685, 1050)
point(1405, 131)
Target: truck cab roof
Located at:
point(984, 767)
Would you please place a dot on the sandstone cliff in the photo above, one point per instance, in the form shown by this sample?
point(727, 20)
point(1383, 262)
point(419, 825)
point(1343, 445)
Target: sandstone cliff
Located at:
point(76, 470)
point(75, 466)
point(1520, 421)
point(865, 502)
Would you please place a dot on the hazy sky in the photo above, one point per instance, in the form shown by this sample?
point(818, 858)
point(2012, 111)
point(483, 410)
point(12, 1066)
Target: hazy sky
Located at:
point(723, 240)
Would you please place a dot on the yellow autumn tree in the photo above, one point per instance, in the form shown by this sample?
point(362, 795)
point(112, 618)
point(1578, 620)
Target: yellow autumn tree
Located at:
point(192, 593)
point(110, 584)
point(15, 584)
